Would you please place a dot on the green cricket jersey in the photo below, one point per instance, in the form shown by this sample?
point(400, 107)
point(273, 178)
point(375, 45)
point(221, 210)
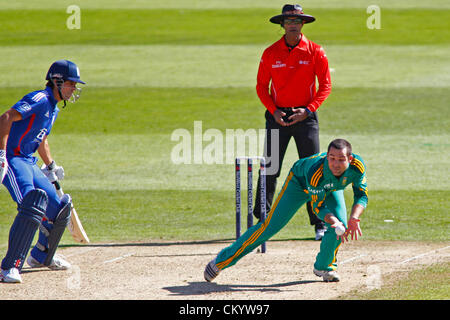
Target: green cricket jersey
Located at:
point(317, 180)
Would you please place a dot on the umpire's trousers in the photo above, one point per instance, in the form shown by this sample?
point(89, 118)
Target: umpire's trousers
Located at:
point(306, 137)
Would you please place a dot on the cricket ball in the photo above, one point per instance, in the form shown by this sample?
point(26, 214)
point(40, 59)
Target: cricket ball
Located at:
point(340, 229)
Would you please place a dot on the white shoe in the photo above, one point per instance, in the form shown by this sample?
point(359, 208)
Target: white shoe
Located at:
point(211, 271)
point(10, 276)
point(327, 276)
point(320, 233)
point(58, 263)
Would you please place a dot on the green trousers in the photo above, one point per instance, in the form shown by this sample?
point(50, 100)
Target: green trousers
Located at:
point(289, 200)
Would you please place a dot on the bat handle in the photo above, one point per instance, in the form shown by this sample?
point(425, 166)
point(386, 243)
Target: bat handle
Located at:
point(58, 188)
point(57, 185)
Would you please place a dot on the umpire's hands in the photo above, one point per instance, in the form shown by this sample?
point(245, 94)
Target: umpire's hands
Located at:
point(278, 116)
point(300, 114)
point(3, 165)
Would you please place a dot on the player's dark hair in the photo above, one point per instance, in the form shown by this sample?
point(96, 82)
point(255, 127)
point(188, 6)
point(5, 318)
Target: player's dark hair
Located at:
point(59, 81)
point(340, 144)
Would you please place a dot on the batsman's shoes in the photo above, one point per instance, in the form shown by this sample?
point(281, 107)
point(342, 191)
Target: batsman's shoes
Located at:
point(327, 276)
point(58, 263)
point(211, 271)
point(10, 276)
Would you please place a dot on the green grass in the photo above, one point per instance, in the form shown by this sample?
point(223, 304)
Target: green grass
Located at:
point(364, 111)
point(129, 157)
point(430, 283)
point(139, 215)
point(218, 26)
point(218, 4)
point(429, 214)
point(406, 155)
point(169, 66)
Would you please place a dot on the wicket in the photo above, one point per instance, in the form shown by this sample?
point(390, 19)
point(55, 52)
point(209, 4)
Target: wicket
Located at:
point(262, 172)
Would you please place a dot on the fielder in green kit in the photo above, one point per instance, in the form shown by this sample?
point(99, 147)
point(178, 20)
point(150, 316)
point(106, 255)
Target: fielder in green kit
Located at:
point(320, 179)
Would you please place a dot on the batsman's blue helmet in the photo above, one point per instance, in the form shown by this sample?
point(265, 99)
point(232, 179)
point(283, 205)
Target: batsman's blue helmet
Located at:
point(65, 70)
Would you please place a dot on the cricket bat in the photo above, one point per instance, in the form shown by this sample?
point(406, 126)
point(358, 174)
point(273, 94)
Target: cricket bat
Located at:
point(75, 227)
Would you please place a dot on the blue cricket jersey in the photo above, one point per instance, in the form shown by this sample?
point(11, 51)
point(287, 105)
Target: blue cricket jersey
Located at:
point(39, 112)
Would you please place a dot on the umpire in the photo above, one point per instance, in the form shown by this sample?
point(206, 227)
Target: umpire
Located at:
point(286, 85)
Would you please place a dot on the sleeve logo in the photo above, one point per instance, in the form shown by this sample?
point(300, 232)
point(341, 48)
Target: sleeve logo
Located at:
point(24, 107)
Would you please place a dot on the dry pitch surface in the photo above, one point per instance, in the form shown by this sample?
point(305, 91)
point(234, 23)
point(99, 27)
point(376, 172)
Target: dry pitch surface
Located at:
point(174, 270)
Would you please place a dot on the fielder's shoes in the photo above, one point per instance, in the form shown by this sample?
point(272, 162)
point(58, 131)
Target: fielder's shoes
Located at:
point(327, 276)
point(320, 232)
point(211, 271)
point(58, 263)
point(10, 276)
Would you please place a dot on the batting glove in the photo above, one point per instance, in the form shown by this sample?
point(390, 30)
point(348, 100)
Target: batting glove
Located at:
point(53, 172)
point(3, 165)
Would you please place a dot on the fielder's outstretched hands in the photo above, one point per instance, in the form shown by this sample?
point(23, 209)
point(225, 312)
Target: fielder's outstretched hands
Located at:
point(3, 165)
point(353, 229)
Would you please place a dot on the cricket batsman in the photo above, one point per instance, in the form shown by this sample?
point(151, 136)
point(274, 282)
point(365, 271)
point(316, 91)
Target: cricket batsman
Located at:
point(23, 130)
point(320, 179)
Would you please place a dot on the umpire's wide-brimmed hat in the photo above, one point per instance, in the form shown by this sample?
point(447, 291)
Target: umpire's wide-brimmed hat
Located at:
point(292, 11)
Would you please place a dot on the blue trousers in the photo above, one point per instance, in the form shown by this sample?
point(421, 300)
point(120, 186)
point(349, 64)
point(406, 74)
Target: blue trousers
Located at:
point(23, 176)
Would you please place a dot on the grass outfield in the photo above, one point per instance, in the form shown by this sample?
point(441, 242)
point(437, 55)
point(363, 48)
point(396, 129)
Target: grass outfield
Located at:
point(137, 165)
point(217, 4)
point(151, 70)
point(425, 284)
point(189, 66)
point(241, 26)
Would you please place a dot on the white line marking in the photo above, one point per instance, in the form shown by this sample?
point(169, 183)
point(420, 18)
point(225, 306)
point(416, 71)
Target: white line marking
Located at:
point(119, 258)
point(423, 254)
point(354, 258)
